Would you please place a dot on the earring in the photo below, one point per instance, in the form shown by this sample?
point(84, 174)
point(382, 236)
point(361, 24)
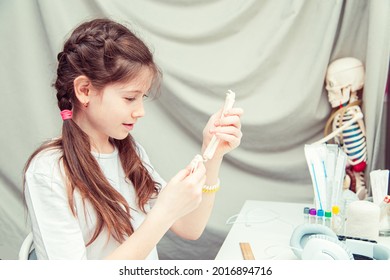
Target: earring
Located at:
point(85, 104)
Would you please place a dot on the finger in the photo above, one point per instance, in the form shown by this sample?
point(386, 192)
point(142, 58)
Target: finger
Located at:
point(232, 139)
point(197, 176)
point(200, 171)
point(231, 112)
point(181, 175)
point(194, 163)
point(231, 130)
point(233, 120)
point(234, 111)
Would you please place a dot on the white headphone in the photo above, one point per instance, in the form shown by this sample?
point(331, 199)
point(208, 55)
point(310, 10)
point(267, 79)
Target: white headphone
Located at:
point(318, 242)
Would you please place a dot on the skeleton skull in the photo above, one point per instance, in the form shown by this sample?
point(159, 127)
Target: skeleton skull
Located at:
point(344, 75)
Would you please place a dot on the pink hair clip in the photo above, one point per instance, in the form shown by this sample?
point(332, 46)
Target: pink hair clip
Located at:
point(66, 114)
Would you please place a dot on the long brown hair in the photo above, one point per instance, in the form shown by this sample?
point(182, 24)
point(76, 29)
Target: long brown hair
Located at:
point(106, 52)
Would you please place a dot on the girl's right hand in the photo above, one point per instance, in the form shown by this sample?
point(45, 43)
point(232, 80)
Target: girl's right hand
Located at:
point(182, 194)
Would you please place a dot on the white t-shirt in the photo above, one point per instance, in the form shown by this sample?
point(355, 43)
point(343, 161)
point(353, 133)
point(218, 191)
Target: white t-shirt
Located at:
point(58, 234)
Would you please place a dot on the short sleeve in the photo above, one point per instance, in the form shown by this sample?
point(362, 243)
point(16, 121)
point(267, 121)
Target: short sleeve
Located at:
point(56, 231)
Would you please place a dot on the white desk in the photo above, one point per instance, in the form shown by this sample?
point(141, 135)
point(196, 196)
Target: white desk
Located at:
point(267, 226)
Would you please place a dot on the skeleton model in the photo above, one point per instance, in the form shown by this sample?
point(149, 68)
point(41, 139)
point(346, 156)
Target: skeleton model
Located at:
point(344, 78)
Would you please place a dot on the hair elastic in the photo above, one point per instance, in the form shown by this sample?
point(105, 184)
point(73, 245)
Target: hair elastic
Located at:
point(66, 114)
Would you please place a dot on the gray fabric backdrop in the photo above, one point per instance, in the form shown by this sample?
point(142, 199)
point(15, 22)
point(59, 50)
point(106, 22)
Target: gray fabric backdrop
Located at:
point(272, 53)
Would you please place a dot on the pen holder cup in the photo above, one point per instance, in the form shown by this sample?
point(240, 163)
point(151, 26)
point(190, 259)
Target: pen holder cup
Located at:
point(384, 221)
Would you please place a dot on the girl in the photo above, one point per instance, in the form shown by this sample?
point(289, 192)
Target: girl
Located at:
point(93, 193)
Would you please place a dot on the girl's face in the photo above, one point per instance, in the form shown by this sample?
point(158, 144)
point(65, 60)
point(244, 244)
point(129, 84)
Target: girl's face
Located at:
point(114, 111)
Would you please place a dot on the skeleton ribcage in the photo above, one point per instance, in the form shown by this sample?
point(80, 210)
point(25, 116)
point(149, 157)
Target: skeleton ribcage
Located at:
point(351, 139)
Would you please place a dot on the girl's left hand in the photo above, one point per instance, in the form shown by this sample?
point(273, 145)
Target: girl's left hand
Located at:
point(226, 128)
